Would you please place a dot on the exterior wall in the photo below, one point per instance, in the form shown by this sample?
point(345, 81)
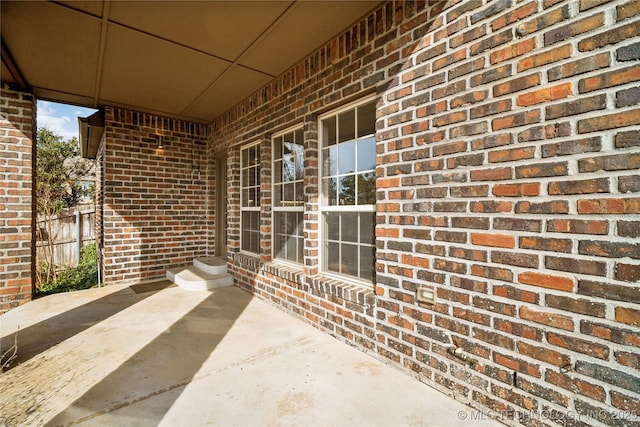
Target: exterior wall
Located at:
point(17, 209)
point(508, 156)
point(155, 200)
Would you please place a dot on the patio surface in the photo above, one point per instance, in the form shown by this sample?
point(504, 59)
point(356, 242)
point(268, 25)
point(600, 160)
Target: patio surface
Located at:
point(155, 354)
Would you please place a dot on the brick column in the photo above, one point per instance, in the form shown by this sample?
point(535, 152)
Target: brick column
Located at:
point(17, 210)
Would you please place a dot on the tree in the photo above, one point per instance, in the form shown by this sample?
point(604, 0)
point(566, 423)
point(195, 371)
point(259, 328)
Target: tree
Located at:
point(59, 169)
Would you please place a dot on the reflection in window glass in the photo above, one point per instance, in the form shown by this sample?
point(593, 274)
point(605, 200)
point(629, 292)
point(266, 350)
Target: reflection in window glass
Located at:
point(288, 199)
point(366, 188)
point(346, 126)
point(366, 154)
point(330, 190)
point(347, 158)
point(366, 126)
point(348, 162)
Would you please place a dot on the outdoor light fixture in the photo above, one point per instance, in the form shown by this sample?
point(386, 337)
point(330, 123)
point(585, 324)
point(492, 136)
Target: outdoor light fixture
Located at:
point(160, 133)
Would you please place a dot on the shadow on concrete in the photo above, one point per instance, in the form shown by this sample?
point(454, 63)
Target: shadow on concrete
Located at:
point(43, 335)
point(163, 367)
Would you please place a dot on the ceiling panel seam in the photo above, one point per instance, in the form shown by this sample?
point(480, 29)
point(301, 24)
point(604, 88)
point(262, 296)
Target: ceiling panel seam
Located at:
point(103, 41)
point(235, 62)
point(155, 36)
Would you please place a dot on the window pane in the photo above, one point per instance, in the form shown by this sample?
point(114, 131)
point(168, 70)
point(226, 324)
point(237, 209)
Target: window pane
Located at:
point(280, 239)
point(333, 257)
point(299, 193)
point(299, 162)
point(251, 199)
point(245, 158)
point(255, 221)
point(278, 222)
point(277, 171)
point(330, 161)
point(292, 248)
point(245, 178)
point(288, 167)
point(253, 179)
point(347, 190)
point(367, 119)
point(277, 195)
point(346, 158)
point(300, 253)
point(367, 189)
point(366, 154)
point(328, 131)
point(288, 228)
point(332, 226)
point(367, 262)
point(349, 227)
point(347, 126)
point(280, 242)
point(251, 231)
point(288, 140)
point(255, 242)
point(367, 230)
point(329, 190)
point(287, 196)
point(349, 259)
point(299, 137)
point(277, 147)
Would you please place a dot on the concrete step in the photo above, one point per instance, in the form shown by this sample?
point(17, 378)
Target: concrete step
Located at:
point(211, 264)
point(193, 279)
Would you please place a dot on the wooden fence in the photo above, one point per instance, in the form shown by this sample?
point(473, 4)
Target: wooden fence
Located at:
point(70, 233)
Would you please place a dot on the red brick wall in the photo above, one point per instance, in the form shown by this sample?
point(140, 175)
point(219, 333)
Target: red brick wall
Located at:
point(155, 200)
point(508, 142)
point(17, 210)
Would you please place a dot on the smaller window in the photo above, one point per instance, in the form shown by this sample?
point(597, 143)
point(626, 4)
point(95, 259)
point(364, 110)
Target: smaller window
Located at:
point(288, 196)
point(250, 198)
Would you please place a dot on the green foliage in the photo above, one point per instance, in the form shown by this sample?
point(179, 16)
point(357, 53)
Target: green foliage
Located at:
point(82, 276)
point(58, 169)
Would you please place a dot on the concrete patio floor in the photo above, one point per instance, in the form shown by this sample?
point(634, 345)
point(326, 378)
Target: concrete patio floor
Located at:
point(157, 355)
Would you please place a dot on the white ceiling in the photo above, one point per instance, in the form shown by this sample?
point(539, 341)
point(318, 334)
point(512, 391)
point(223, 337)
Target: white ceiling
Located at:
point(187, 59)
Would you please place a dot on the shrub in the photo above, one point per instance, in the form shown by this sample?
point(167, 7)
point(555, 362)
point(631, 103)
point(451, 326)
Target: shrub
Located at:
point(82, 276)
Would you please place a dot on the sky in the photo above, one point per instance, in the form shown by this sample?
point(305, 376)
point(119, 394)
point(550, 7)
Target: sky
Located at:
point(62, 119)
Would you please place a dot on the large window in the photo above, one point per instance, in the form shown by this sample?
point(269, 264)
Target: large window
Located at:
point(348, 153)
point(288, 196)
point(250, 198)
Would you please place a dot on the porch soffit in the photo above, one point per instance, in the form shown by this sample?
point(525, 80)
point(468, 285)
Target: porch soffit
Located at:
point(185, 59)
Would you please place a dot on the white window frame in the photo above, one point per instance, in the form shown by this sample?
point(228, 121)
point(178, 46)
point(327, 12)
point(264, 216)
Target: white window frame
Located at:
point(276, 209)
point(324, 207)
point(255, 208)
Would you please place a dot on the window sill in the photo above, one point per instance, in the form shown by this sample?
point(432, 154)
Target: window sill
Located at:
point(285, 271)
point(247, 260)
point(354, 292)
